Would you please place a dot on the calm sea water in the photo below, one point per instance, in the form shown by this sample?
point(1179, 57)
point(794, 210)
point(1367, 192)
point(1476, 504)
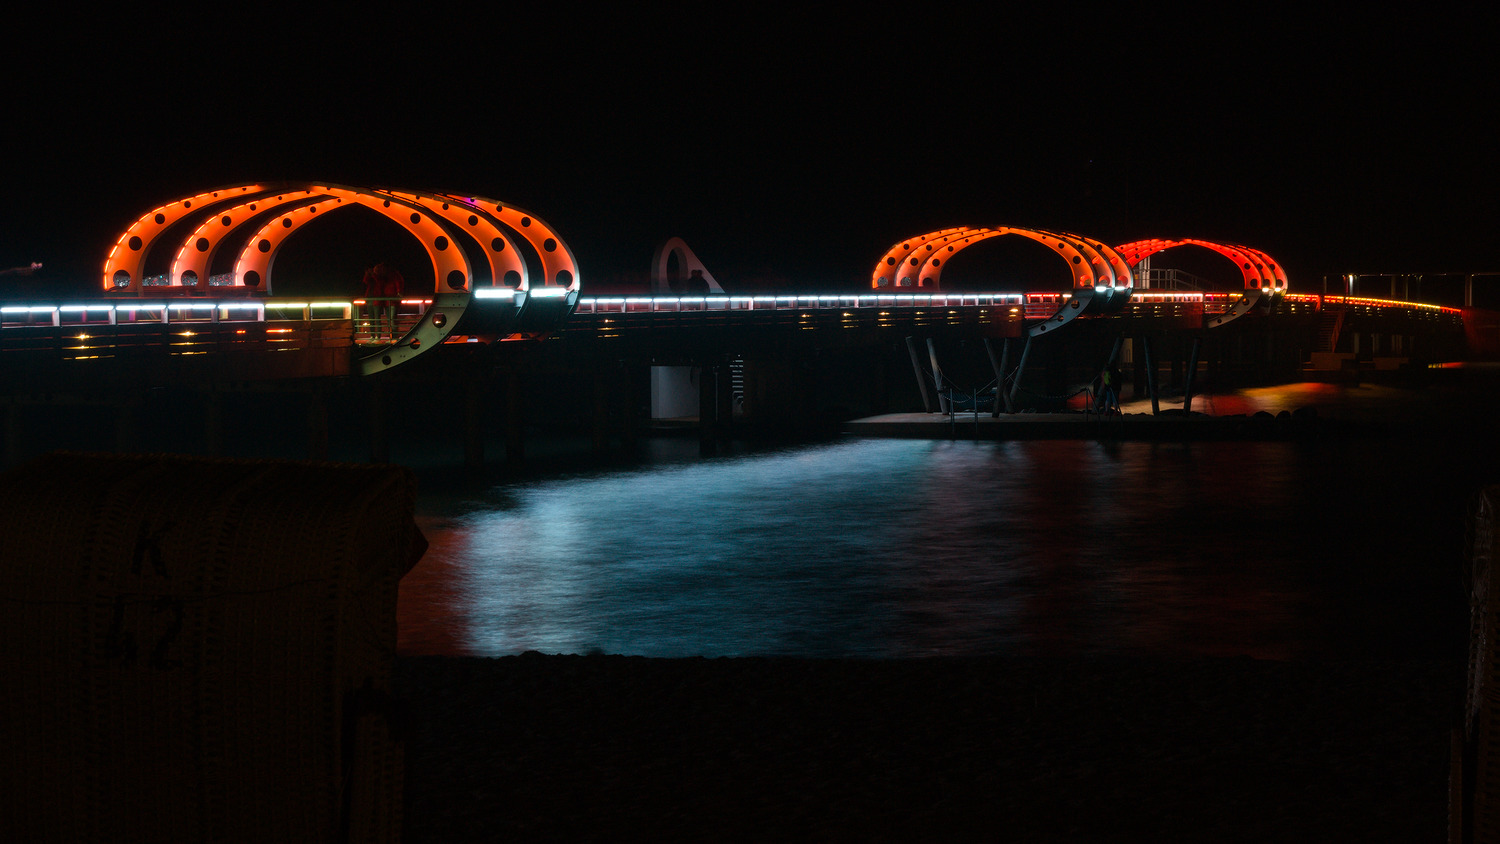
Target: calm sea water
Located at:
point(894, 548)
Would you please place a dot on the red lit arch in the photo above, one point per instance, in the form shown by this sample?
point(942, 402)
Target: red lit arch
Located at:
point(1259, 270)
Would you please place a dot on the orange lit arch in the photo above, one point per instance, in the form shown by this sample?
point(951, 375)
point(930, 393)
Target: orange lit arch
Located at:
point(436, 220)
point(889, 270)
point(123, 266)
point(559, 267)
point(450, 264)
point(507, 268)
point(919, 261)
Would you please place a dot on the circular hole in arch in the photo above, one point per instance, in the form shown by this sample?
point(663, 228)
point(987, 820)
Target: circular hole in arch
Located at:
point(189, 279)
point(890, 262)
point(160, 218)
point(135, 243)
point(416, 343)
point(187, 204)
point(564, 278)
point(252, 279)
point(936, 262)
point(441, 244)
point(439, 319)
point(913, 262)
point(473, 220)
point(512, 279)
point(456, 280)
point(264, 245)
point(385, 359)
point(445, 206)
point(286, 222)
point(497, 244)
point(1076, 259)
point(252, 206)
point(550, 245)
point(225, 220)
point(121, 279)
point(201, 244)
point(416, 218)
point(525, 221)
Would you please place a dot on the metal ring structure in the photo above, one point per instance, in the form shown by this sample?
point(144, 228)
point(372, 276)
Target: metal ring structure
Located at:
point(888, 269)
point(449, 227)
point(687, 261)
point(122, 268)
point(1101, 276)
point(1264, 278)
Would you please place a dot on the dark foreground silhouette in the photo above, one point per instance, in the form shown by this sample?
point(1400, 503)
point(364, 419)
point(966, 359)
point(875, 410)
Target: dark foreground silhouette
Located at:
point(1047, 749)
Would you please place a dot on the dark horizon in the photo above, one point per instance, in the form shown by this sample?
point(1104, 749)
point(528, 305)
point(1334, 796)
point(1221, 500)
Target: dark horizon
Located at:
point(788, 151)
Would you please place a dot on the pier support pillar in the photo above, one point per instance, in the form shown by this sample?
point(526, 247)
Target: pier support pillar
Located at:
point(380, 437)
point(1015, 385)
point(317, 424)
point(213, 423)
point(916, 367)
point(600, 416)
point(945, 400)
point(473, 423)
point(12, 433)
point(629, 395)
point(515, 418)
point(1192, 371)
point(1002, 396)
point(1151, 376)
point(127, 426)
point(713, 385)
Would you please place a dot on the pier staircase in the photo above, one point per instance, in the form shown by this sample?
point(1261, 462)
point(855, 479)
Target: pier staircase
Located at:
point(1330, 323)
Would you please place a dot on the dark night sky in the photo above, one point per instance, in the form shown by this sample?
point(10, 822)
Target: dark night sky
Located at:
point(796, 147)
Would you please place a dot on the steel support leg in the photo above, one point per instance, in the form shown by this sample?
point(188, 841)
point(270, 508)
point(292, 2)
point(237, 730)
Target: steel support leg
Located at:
point(916, 366)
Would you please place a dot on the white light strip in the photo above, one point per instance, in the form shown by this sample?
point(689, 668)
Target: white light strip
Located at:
point(494, 293)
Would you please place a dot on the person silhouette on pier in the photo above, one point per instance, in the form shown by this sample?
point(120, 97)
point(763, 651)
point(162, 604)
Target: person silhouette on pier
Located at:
point(383, 281)
point(1109, 390)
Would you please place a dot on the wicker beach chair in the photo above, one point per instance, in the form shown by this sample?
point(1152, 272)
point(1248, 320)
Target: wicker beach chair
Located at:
point(200, 650)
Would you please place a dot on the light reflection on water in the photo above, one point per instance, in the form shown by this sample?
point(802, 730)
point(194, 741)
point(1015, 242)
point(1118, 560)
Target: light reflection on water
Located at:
point(879, 548)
